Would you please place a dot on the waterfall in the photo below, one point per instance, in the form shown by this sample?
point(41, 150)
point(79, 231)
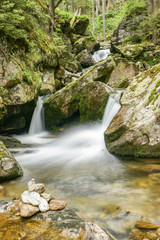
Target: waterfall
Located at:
point(111, 109)
point(37, 125)
point(101, 55)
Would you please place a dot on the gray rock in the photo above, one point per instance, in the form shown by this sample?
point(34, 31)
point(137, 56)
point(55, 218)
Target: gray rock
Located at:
point(135, 129)
point(33, 198)
point(10, 168)
point(31, 185)
point(46, 196)
point(94, 232)
point(43, 206)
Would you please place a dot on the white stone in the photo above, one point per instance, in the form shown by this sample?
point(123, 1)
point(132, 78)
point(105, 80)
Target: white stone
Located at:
point(46, 196)
point(31, 185)
point(33, 198)
point(94, 232)
point(43, 206)
point(39, 187)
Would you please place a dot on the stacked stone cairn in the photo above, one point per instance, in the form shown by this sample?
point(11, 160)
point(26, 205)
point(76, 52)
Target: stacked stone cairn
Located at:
point(35, 200)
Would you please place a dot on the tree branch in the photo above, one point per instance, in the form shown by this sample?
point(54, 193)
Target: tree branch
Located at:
point(59, 1)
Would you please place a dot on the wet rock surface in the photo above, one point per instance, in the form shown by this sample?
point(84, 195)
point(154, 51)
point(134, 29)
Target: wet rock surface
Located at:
point(83, 100)
point(134, 131)
point(10, 168)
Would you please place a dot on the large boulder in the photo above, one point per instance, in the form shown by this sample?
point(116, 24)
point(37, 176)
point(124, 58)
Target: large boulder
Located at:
point(128, 27)
point(85, 42)
point(135, 129)
point(16, 106)
point(69, 62)
point(101, 71)
point(10, 168)
point(123, 73)
point(85, 58)
point(81, 99)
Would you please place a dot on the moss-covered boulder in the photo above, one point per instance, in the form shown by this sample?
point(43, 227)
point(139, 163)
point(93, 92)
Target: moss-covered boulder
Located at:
point(48, 84)
point(123, 73)
point(85, 58)
point(69, 62)
point(130, 51)
point(101, 71)
point(11, 142)
point(17, 106)
point(70, 24)
point(129, 26)
point(135, 129)
point(85, 42)
point(85, 100)
point(9, 167)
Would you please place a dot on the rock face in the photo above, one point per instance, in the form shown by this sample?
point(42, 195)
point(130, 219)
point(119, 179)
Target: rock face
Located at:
point(123, 72)
point(134, 131)
point(9, 166)
point(85, 100)
point(127, 27)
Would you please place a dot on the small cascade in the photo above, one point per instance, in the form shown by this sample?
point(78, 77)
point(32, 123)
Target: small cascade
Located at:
point(111, 110)
point(101, 54)
point(37, 125)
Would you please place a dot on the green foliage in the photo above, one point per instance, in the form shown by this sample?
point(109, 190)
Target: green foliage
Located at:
point(3, 91)
point(149, 24)
point(135, 7)
point(24, 21)
point(133, 39)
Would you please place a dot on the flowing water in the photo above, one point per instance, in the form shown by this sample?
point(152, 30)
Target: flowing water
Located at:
point(101, 54)
point(76, 166)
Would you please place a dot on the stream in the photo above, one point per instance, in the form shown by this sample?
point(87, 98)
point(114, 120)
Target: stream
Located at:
point(76, 167)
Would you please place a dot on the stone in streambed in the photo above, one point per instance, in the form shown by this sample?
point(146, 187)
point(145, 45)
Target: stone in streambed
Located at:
point(146, 225)
point(55, 205)
point(32, 198)
point(46, 196)
point(31, 185)
point(27, 210)
point(43, 206)
point(39, 187)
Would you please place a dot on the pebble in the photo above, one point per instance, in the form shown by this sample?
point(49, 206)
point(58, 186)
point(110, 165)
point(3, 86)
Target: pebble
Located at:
point(55, 205)
point(27, 210)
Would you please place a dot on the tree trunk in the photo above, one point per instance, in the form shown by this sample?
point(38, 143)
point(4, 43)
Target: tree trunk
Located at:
point(104, 25)
point(51, 13)
point(108, 5)
point(97, 7)
point(93, 18)
point(73, 6)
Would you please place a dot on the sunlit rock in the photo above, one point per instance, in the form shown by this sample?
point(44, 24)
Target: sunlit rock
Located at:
point(33, 198)
point(46, 196)
point(43, 206)
point(27, 210)
point(55, 205)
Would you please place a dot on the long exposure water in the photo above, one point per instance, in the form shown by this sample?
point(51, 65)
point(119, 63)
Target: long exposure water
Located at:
point(76, 166)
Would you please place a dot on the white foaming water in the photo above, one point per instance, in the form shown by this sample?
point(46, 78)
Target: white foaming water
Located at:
point(80, 144)
point(36, 125)
point(101, 54)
